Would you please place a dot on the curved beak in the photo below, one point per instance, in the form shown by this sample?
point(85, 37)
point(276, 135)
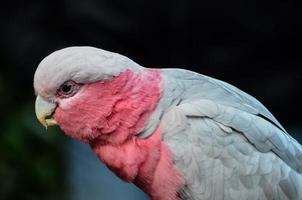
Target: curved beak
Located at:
point(44, 112)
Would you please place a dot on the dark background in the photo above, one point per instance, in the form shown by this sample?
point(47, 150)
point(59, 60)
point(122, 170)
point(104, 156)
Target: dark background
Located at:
point(252, 44)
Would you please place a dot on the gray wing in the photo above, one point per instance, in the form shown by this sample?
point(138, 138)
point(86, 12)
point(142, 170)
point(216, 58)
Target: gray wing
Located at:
point(199, 86)
point(203, 96)
point(259, 132)
point(219, 162)
point(224, 148)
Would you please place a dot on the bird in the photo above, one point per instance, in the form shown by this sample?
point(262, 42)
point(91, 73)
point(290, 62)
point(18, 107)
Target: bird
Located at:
point(175, 133)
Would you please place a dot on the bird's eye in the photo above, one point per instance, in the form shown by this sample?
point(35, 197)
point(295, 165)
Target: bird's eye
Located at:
point(68, 89)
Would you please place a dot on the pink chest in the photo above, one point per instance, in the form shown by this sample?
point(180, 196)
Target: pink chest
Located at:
point(147, 163)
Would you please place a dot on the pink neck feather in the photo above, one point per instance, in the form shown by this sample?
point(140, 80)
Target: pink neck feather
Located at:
point(145, 162)
point(111, 111)
point(108, 115)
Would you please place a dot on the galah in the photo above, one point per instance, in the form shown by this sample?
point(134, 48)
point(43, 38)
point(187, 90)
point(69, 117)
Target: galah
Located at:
point(176, 134)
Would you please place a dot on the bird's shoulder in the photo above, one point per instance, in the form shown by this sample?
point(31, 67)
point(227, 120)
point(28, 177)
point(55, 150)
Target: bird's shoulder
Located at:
point(216, 130)
point(198, 86)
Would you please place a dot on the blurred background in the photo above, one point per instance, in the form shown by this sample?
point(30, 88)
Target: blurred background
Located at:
point(252, 44)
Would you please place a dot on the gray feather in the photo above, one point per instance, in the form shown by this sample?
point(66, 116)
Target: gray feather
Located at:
point(222, 144)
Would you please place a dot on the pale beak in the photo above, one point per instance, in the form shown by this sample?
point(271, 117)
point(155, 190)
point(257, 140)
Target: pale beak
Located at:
point(44, 112)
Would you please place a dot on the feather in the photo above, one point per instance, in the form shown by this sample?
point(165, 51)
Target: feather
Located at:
point(227, 144)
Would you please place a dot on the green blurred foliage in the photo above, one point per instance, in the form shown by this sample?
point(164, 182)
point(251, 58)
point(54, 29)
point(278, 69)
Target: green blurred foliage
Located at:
point(32, 159)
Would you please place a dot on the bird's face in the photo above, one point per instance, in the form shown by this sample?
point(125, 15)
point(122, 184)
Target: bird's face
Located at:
point(93, 94)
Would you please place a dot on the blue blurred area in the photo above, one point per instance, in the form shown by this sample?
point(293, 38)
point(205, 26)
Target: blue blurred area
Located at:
point(88, 178)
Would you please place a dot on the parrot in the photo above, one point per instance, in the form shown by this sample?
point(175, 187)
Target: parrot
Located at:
point(174, 133)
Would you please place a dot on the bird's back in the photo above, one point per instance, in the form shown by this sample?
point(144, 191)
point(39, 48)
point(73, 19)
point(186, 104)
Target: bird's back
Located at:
point(226, 143)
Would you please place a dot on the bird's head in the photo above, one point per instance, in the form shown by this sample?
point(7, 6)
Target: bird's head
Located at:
point(95, 94)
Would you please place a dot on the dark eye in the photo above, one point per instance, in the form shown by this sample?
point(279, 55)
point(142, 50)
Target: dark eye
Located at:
point(68, 89)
